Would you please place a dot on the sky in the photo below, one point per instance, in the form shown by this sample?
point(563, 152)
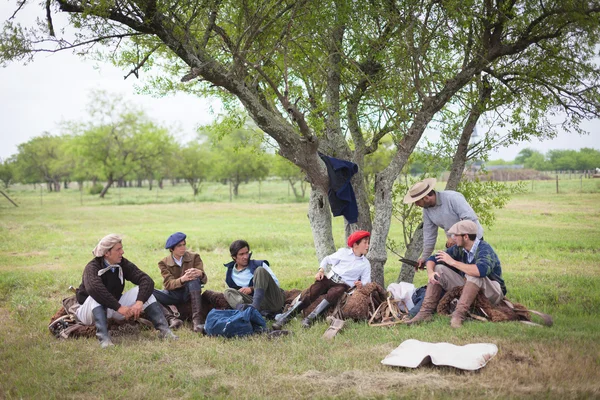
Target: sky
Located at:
point(37, 97)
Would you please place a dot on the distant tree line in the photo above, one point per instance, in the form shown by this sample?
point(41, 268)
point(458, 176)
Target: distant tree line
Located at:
point(555, 160)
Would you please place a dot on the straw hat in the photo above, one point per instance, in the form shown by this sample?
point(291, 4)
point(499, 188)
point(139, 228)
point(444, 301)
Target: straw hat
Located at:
point(419, 190)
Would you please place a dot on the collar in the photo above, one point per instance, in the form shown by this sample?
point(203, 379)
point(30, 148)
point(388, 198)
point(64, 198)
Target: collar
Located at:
point(185, 258)
point(473, 250)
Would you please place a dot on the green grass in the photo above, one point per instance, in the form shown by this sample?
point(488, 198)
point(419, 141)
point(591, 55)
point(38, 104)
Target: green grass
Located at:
point(548, 244)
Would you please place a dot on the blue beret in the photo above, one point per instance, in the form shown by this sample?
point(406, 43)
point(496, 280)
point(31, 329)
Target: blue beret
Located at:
point(174, 239)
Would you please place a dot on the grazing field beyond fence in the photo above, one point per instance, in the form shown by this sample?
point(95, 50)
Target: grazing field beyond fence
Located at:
point(548, 243)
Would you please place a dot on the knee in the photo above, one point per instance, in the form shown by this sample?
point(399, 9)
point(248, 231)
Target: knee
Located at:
point(260, 272)
point(194, 285)
point(475, 279)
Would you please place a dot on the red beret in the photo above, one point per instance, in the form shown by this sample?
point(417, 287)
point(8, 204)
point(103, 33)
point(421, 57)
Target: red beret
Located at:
point(356, 236)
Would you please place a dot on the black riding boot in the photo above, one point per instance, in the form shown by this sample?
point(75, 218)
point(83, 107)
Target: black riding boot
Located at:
point(155, 314)
point(307, 322)
point(101, 321)
point(287, 316)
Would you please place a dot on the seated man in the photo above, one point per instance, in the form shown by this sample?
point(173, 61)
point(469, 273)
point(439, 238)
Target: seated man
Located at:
point(251, 282)
point(471, 263)
point(102, 287)
point(349, 268)
point(183, 276)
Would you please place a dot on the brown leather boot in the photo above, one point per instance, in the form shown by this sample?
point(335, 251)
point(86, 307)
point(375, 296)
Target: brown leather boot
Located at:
point(174, 322)
point(469, 293)
point(196, 300)
point(433, 294)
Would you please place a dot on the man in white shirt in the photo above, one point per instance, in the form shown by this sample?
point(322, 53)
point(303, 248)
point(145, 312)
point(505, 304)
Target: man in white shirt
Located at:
point(349, 267)
point(251, 282)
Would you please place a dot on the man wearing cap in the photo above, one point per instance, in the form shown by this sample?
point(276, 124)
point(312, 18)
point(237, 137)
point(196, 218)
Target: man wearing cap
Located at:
point(101, 296)
point(440, 209)
point(251, 282)
point(183, 277)
point(471, 263)
point(349, 267)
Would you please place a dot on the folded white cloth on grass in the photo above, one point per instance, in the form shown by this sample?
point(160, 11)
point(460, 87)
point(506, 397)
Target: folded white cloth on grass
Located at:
point(402, 291)
point(414, 353)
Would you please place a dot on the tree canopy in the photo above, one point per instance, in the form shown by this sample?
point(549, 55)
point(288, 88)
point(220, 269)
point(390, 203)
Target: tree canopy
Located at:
point(336, 77)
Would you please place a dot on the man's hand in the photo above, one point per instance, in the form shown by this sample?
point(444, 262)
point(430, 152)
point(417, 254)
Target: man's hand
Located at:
point(245, 290)
point(450, 242)
point(191, 274)
point(358, 284)
point(137, 309)
point(125, 311)
point(444, 257)
point(420, 263)
point(319, 276)
point(432, 278)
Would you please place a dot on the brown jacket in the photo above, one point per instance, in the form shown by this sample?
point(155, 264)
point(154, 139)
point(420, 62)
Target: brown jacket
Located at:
point(171, 272)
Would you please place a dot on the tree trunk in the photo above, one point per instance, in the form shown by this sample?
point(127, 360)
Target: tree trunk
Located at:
point(319, 216)
point(105, 189)
point(150, 181)
point(293, 187)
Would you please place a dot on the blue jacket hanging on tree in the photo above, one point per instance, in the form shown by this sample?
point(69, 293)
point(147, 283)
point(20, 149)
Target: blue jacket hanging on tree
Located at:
point(341, 194)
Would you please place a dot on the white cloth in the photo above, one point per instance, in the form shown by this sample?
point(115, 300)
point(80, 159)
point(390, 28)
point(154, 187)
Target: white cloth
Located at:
point(109, 267)
point(347, 265)
point(403, 291)
point(105, 244)
point(84, 312)
point(414, 353)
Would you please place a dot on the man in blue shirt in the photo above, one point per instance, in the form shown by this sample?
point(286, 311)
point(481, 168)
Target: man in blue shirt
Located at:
point(251, 281)
point(471, 263)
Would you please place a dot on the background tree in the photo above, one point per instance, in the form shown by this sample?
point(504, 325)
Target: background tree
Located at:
point(289, 172)
point(7, 174)
point(238, 154)
point(194, 163)
point(120, 141)
point(44, 159)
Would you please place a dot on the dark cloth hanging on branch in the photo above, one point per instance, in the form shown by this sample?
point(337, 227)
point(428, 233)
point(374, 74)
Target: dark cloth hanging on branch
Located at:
point(341, 194)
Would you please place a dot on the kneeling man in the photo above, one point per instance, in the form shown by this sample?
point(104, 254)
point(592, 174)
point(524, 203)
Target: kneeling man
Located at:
point(101, 291)
point(471, 263)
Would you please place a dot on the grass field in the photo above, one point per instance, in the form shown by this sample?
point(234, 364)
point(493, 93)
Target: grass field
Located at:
point(548, 244)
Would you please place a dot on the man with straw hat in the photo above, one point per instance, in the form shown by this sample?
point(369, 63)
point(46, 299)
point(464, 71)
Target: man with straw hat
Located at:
point(440, 209)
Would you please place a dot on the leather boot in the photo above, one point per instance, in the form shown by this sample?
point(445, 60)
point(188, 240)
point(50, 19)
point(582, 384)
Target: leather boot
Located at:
point(287, 316)
point(196, 300)
point(101, 321)
point(433, 294)
point(469, 293)
point(155, 314)
point(172, 320)
point(307, 322)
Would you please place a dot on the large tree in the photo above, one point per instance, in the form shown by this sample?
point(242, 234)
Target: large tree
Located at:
point(331, 77)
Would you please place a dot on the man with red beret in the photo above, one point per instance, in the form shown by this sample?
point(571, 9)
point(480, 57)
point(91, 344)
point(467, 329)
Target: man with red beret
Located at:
point(348, 267)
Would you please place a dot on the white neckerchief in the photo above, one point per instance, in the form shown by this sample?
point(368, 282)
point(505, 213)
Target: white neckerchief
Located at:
point(110, 266)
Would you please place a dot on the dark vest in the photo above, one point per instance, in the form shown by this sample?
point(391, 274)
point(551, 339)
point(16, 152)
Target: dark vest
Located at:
point(252, 265)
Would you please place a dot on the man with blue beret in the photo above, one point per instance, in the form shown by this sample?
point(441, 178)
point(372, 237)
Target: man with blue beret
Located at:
point(183, 277)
